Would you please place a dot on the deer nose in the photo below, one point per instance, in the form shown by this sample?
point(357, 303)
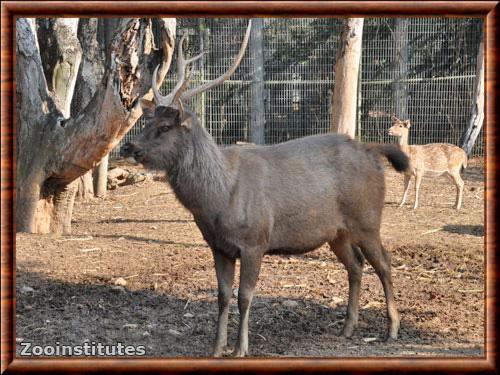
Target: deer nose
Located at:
point(126, 149)
point(138, 155)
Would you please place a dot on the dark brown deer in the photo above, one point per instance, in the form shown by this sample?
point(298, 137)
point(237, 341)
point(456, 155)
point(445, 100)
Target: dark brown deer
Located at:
point(290, 198)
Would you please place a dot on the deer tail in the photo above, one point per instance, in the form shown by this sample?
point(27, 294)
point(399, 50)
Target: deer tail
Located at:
point(393, 153)
point(464, 164)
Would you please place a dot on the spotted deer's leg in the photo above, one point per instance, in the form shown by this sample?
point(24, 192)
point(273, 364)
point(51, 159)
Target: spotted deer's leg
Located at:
point(418, 181)
point(407, 187)
point(460, 188)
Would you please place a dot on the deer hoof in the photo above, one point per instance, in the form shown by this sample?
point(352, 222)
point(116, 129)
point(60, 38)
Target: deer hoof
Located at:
point(240, 353)
point(390, 337)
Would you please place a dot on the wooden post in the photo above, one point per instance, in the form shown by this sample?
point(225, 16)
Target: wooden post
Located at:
point(257, 116)
point(346, 78)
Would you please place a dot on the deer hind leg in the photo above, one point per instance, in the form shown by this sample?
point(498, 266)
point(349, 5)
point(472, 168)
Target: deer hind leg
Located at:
point(455, 175)
point(353, 260)
point(250, 263)
point(407, 187)
point(380, 259)
point(418, 181)
point(224, 268)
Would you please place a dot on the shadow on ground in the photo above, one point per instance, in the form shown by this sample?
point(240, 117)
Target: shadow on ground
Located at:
point(70, 313)
point(473, 230)
point(151, 240)
point(118, 221)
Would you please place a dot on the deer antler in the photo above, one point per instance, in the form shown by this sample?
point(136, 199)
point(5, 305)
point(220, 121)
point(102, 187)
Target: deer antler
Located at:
point(182, 64)
point(177, 97)
point(217, 81)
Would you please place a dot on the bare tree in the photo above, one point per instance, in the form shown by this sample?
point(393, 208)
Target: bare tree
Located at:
point(477, 112)
point(89, 76)
point(400, 68)
point(54, 146)
point(344, 102)
point(257, 115)
point(100, 173)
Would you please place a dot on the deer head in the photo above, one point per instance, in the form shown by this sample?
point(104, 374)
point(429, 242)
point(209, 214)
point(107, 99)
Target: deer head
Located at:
point(399, 127)
point(171, 125)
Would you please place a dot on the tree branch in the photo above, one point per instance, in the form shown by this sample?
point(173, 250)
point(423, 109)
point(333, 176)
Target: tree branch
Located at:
point(115, 108)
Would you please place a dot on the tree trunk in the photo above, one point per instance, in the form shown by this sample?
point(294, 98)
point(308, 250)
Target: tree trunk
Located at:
point(44, 199)
point(348, 56)
point(475, 124)
point(61, 58)
point(399, 85)
point(89, 76)
point(101, 178)
point(85, 187)
point(257, 116)
point(100, 175)
point(55, 148)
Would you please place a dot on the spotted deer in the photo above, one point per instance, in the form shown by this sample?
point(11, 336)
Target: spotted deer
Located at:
point(431, 160)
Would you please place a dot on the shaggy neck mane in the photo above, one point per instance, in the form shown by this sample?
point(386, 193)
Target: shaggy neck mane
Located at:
point(201, 177)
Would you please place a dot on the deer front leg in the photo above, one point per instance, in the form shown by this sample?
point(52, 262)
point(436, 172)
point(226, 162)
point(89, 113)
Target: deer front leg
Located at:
point(418, 181)
point(249, 272)
point(407, 187)
point(224, 268)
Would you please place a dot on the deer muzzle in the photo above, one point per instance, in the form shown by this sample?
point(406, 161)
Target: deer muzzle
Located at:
point(131, 152)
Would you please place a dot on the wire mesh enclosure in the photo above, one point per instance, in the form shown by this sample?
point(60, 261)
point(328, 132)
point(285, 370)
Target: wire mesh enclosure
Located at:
point(422, 69)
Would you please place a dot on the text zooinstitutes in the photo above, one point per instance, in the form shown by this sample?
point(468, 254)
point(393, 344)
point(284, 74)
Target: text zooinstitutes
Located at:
point(86, 349)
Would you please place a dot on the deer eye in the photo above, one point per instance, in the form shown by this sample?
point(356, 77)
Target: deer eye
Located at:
point(163, 129)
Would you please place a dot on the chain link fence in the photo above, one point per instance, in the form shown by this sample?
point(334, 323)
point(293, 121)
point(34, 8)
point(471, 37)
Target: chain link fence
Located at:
point(422, 69)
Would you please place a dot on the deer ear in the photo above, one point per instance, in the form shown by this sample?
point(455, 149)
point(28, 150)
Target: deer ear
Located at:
point(407, 123)
point(186, 123)
point(148, 108)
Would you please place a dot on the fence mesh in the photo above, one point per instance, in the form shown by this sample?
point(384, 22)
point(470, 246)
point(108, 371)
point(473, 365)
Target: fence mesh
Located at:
point(422, 69)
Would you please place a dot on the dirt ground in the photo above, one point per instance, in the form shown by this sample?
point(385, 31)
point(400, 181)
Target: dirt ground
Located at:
point(66, 288)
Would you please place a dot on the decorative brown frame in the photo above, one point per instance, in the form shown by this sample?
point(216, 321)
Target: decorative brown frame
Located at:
point(10, 10)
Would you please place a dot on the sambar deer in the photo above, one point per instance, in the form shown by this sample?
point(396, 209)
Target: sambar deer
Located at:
point(433, 159)
point(290, 198)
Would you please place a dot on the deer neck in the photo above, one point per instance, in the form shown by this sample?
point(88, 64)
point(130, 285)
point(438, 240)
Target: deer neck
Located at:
point(403, 143)
point(201, 179)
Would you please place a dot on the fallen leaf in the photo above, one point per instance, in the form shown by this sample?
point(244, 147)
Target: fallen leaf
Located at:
point(173, 332)
point(120, 281)
point(372, 304)
point(290, 303)
point(27, 289)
